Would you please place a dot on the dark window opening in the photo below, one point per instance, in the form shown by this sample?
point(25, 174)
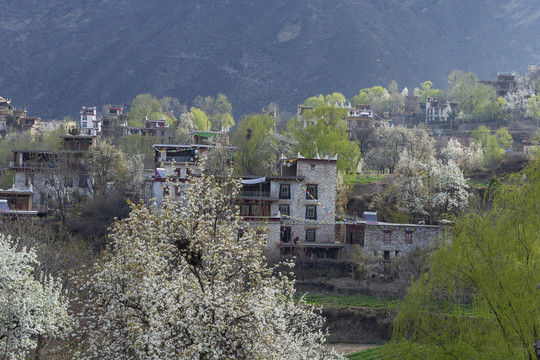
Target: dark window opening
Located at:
point(284, 191)
point(311, 190)
point(285, 234)
point(311, 212)
point(310, 235)
point(387, 234)
point(408, 237)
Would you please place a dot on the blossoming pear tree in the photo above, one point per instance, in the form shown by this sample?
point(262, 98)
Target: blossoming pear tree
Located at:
point(182, 282)
point(28, 308)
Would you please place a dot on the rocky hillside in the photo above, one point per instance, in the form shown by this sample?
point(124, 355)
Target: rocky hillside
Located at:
point(58, 55)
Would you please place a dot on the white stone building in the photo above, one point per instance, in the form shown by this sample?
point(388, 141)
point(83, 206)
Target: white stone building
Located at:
point(90, 123)
point(297, 206)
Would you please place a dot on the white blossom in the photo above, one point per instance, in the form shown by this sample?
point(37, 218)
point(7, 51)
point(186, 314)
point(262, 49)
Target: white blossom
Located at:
point(28, 308)
point(180, 282)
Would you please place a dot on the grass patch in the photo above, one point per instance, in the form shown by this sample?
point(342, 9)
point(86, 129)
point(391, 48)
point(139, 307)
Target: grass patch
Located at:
point(379, 302)
point(353, 179)
point(351, 300)
point(375, 353)
point(478, 183)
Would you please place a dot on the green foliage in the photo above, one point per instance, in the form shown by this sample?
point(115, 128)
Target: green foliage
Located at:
point(374, 353)
point(218, 110)
point(504, 139)
point(351, 300)
point(200, 120)
point(477, 102)
point(426, 90)
point(491, 262)
point(316, 101)
point(255, 154)
point(326, 134)
point(137, 144)
point(492, 146)
point(143, 106)
point(533, 107)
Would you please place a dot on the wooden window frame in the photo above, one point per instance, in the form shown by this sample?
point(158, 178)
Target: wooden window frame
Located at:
point(387, 236)
point(284, 194)
point(313, 190)
point(408, 237)
point(311, 233)
point(313, 209)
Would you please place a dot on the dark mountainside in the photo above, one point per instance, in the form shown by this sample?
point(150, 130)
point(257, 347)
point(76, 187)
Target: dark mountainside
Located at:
point(58, 55)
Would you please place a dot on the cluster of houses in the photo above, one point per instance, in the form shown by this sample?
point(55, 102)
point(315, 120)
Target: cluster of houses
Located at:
point(297, 207)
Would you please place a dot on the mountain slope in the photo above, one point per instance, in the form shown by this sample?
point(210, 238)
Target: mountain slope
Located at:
point(59, 55)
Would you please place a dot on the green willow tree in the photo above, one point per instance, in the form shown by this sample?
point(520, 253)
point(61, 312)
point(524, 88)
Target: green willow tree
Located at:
point(255, 153)
point(479, 298)
point(326, 134)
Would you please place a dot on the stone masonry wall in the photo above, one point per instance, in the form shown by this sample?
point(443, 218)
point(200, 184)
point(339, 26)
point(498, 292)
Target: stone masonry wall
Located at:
point(423, 237)
point(323, 174)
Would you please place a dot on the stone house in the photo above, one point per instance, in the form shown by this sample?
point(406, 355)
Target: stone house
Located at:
point(438, 109)
point(505, 83)
point(158, 129)
point(387, 241)
point(113, 121)
point(40, 172)
point(16, 203)
point(90, 123)
point(297, 206)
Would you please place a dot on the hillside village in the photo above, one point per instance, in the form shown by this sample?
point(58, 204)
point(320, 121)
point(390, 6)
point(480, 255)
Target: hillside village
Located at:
point(296, 200)
point(358, 192)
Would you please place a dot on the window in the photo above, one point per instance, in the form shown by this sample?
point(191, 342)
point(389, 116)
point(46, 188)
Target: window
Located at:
point(311, 189)
point(311, 212)
point(165, 190)
point(386, 255)
point(386, 236)
point(84, 124)
point(312, 167)
point(177, 190)
point(408, 237)
point(285, 210)
point(256, 209)
point(244, 210)
point(355, 236)
point(83, 182)
point(310, 235)
point(285, 234)
point(96, 125)
point(284, 191)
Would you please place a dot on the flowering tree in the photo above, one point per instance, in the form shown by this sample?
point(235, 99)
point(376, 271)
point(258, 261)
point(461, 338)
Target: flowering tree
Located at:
point(490, 263)
point(391, 142)
point(181, 282)
point(427, 190)
point(28, 308)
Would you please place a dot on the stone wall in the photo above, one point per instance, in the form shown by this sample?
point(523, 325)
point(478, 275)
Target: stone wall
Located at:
point(317, 172)
point(395, 243)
